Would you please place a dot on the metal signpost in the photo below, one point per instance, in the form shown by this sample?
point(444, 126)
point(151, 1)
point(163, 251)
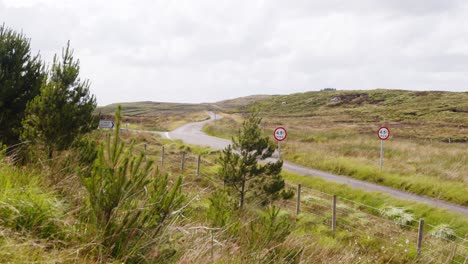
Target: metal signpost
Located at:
point(280, 134)
point(106, 124)
point(384, 134)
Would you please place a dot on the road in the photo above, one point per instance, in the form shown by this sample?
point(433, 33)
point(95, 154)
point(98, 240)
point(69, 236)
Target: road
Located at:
point(192, 134)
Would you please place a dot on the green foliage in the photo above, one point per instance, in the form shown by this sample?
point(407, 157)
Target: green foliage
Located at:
point(272, 227)
point(399, 215)
point(130, 203)
point(239, 166)
point(86, 149)
point(287, 194)
point(26, 205)
point(64, 108)
point(443, 231)
point(21, 75)
point(222, 209)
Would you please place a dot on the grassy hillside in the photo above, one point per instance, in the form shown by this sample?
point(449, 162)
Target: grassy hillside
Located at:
point(154, 108)
point(428, 115)
point(240, 103)
point(336, 132)
point(159, 116)
point(151, 108)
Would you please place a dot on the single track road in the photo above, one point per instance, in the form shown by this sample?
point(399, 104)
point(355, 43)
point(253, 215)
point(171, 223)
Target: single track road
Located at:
point(192, 134)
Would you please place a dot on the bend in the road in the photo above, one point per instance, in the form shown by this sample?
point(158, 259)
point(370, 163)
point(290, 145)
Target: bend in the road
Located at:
point(192, 134)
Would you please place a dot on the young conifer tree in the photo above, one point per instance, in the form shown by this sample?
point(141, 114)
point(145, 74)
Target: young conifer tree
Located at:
point(63, 110)
point(21, 75)
point(240, 168)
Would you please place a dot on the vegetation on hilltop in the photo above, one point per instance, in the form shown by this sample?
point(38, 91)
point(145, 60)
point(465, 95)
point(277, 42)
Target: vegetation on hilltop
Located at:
point(428, 114)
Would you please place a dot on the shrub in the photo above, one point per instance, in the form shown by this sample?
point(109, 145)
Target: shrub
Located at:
point(129, 206)
point(399, 215)
point(443, 231)
point(287, 194)
point(222, 209)
point(270, 228)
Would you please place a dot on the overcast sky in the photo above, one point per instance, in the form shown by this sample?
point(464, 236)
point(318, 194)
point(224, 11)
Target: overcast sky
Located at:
point(205, 51)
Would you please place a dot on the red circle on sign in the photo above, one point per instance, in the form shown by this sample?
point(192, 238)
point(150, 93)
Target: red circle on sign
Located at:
point(285, 134)
point(383, 137)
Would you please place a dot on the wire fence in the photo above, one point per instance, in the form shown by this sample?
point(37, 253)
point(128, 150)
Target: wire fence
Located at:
point(365, 222)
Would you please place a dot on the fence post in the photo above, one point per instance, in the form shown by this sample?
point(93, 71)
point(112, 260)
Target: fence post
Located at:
point(198, 165)
point(182, 163)
point(145, 151)
point(334, 214)
point(420, 235)
point(298, 200)
point(162, 157)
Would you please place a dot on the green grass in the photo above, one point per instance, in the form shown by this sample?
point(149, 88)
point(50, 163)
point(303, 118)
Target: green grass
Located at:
point(428, 115)
point(340, 137)
point(431, 214)
point(223, 128)
point(26, 205)
point(190, 240)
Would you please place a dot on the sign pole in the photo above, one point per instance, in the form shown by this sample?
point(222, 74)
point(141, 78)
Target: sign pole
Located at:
point(279, 150)
point(381, 155)
point(384, 134)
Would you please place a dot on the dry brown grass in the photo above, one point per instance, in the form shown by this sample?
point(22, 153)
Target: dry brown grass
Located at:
point(423, 166)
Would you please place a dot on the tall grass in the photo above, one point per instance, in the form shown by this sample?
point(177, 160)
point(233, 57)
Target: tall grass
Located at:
point(424, 167)
point(27, 205)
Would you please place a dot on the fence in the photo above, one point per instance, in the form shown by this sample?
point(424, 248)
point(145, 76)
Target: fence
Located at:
point(344, 215)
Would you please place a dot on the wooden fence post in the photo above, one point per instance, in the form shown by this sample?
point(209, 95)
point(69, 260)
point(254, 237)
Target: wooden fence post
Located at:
point(334, 214)
point(182, 163)
point(298, 200)
point(420, 235)
point(198, 165)
point(145, 151)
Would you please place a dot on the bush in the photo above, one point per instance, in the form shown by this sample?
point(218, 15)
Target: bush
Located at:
point(130, 202)
point(287, 194)
point(222, 209)
point(443, 231)
point(399, 215)
point(270, 228)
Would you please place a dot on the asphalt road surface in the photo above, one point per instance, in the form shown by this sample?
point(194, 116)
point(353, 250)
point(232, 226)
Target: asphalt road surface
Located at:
point(192, 134)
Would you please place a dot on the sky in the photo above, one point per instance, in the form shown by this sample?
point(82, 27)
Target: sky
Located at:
point(211, 50)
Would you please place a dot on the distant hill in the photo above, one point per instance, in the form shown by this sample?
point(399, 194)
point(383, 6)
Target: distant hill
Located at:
point(427, 114)
point(241, 102)
point(148, 108)
point(395, 105)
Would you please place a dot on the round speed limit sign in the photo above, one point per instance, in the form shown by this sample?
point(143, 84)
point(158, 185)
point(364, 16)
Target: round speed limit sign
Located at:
point(280, 134)
point(383, 133)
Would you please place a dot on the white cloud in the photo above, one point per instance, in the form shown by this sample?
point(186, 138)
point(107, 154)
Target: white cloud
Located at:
point(195, 51)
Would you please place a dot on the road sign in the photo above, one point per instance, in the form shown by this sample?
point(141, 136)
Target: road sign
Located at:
point(280, 134)
point(383, 133)
point(106, 124)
